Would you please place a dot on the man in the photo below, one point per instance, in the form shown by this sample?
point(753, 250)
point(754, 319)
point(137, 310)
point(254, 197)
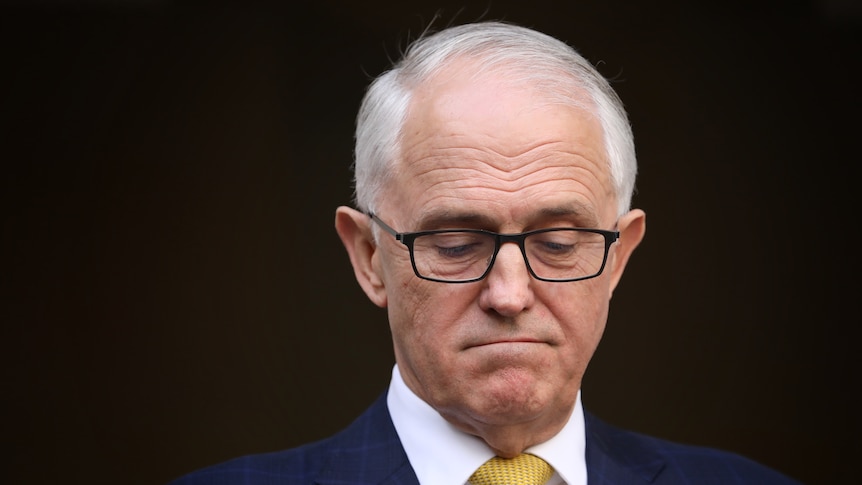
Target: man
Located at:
point(494, 171)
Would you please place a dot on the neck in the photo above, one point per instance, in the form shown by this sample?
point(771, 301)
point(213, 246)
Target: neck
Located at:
point(510, 440)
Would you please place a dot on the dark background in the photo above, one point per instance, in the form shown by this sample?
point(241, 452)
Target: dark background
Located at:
point(174, 293)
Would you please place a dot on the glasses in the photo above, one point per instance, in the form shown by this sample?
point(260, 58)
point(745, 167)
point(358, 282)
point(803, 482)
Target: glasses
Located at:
point(467, 255)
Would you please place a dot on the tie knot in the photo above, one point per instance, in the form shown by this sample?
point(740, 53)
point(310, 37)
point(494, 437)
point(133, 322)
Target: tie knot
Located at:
point(524, 469)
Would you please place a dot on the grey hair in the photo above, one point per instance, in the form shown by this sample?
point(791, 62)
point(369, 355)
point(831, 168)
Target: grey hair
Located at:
point(546, 62)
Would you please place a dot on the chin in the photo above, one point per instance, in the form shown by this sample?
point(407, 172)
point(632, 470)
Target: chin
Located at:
point(510, 402)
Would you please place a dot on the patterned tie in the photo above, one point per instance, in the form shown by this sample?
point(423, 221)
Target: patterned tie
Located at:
point(524, 469)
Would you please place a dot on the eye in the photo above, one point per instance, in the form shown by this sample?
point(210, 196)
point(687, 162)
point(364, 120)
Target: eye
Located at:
point(458, 244)
point(454, 251)
point(556, 243)
point(556, 247)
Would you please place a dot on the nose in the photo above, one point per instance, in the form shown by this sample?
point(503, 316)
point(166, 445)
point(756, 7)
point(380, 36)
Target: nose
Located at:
point(508, 287)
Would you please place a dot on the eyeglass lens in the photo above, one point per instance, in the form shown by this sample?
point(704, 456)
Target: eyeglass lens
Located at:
point(463, 255)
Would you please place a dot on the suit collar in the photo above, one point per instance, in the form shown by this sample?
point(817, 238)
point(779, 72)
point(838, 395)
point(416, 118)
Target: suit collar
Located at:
point(369, 452)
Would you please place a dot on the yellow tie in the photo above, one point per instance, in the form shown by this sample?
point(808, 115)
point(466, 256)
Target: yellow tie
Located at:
point(524, 469)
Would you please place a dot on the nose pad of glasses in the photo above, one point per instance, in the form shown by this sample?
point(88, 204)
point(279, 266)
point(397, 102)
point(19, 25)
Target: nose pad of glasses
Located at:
point(509, 261)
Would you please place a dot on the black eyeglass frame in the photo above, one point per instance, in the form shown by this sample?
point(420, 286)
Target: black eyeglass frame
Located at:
point(407, 239)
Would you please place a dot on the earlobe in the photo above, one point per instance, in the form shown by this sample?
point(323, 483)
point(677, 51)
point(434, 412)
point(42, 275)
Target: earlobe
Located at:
point(632, 227)
point(353, 227)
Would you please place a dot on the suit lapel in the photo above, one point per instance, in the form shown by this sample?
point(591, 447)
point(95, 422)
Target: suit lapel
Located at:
point(615, 456)
point(368, 452)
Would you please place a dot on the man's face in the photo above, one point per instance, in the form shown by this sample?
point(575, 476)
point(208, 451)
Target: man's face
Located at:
point(482, 154)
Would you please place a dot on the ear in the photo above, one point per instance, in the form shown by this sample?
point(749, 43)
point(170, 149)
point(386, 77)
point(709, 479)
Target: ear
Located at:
point(632, 227)
point(354, 229)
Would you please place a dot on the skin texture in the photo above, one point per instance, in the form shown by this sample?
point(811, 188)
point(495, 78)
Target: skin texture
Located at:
point(501, 358)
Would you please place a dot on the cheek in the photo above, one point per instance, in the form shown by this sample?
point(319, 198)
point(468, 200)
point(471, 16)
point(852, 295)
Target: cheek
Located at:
point(581, 311)
point(442, 308)
point(423, 315)
point(424, 328)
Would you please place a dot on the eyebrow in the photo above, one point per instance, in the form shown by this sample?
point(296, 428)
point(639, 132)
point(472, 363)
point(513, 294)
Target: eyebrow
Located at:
point(585, 216)
point(561, 211)
point(453, 218)
point(437, 219)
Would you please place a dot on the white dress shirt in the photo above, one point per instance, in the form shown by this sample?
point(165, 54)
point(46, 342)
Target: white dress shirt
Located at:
point(430, 442)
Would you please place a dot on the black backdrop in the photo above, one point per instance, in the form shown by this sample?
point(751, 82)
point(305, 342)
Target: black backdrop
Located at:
point(174, 294)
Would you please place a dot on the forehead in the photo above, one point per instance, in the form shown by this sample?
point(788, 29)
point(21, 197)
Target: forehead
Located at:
point(487, 145)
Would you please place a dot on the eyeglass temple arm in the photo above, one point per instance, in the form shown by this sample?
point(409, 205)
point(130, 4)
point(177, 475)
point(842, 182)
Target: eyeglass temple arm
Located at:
point(385, 226)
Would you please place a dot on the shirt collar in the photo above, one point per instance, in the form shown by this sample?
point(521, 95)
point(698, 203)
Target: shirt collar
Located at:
point(430, 441)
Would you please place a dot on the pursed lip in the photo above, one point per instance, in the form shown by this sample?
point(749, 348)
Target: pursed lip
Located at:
point(508, 340)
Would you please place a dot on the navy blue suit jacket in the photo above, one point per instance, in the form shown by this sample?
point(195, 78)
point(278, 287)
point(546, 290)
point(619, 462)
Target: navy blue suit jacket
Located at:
point(369, 452)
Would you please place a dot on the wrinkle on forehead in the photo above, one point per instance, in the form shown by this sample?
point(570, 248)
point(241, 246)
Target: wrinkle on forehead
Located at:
point(506, 169)
point(487, 183)
point(457, 168)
